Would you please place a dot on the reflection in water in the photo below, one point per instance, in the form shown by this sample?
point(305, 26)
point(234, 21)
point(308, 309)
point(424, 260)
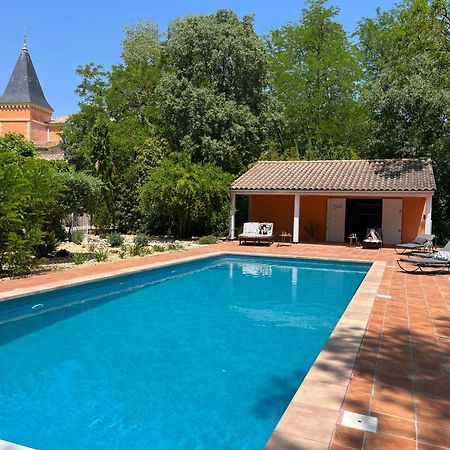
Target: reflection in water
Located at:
point(256, 270)
point(284, 319)
point(294, 285)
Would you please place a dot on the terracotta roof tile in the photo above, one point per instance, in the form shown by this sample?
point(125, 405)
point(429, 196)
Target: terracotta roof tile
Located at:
point(341, 175)
point(60, 119)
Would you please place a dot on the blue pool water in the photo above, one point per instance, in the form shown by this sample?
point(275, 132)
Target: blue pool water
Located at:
point(201, 355)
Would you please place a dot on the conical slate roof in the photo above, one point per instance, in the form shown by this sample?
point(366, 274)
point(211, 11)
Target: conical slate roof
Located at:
point(24, 86)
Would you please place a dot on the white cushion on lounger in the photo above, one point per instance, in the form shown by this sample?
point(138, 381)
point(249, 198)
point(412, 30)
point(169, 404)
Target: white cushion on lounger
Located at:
point(443, 255)
point(250, 228)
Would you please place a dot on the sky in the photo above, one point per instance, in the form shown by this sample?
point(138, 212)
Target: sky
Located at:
point(62, 35)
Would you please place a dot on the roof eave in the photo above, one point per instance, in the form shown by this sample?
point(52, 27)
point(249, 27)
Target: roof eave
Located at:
point(406, 193)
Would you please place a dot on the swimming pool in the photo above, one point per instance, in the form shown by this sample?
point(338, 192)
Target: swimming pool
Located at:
point(205, 354)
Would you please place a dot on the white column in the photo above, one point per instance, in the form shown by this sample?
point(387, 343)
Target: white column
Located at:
point(428, 206)
point(296, 234)
point(232, 215)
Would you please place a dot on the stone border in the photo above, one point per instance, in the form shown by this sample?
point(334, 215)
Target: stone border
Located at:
point(5, 445)
point(77, 281)
point(310, 418)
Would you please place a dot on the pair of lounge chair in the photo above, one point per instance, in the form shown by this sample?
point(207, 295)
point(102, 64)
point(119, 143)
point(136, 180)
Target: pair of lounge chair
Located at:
point(257, 232)
point(435, 262)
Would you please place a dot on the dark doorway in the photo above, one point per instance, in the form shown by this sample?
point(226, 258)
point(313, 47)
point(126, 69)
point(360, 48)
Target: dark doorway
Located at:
point(361, 214)
point(241, 213)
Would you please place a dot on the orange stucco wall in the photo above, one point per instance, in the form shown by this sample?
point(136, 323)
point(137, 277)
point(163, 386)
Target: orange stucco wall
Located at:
point(413, 222)
point(55, 133)
point(30, 121)
point(39, 115)
point(12, 113)
point(313, 211)
point(39, 131)
point(15, 127)
point(278, 209)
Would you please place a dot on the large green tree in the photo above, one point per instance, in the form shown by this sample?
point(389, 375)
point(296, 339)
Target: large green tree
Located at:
point(30, 192)
point(315, 78)
point(115, 136)
point(214, 95)
point(406, 57)
point(182, 198)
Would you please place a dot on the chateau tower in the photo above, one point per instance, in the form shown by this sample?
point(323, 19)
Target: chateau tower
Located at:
point(25, 110)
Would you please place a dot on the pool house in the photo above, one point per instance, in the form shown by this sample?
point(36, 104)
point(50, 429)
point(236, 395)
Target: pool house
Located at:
point(327, 201)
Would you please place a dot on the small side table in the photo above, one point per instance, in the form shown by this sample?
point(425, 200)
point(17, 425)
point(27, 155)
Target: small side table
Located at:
point(353, 237)
point(285, 238)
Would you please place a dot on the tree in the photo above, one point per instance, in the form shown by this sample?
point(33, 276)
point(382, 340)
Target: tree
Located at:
point(16, 143)
point(142, 43)
point(406, 53)
point(30, 191)
point(315, 78)
point(115, 136)
point(187, 198)
point(213, 95)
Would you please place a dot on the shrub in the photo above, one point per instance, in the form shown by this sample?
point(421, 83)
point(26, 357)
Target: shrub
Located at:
point(188, 197)
point(101, 254)
point(206, 240)
point(174, 246)
point(141, 240)
point(115, 239)
point(157, 248)
point(77, 237)
point(136, 250)
point(29, 195)
point(79, 258)
point(122, 252)
point(49, 245)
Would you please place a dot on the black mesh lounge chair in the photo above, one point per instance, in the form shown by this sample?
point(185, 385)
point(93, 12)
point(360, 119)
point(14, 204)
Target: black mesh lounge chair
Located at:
point(421, 254)
point(436, 263)
point(422, 242)
point(373, 238)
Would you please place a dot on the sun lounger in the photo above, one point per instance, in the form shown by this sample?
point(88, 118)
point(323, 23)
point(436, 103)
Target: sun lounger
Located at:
point(257, 232)
point(446, 248)
point(437, 262)
point(373, 239)
point(422, 242)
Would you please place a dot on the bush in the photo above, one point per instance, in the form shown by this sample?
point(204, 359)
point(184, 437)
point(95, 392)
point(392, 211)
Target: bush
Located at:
point(122, 252)
point(77, 237)
point(136, 250)
point(157, 248)
point(206, 240)
point(49, 245)
point(115, 239)
point(79, 258)
point(101, 254)
point(189, 198)
point(141, 240)
point(29, 195)
point(174, 246)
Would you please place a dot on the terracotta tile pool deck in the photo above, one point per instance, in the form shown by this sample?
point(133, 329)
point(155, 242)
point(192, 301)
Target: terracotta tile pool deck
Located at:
point(401, 371)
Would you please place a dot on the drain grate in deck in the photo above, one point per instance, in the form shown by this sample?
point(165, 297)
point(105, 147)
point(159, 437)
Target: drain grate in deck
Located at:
point(359, 421)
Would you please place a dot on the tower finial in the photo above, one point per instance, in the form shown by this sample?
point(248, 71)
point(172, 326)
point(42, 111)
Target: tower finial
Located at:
point(24, 39)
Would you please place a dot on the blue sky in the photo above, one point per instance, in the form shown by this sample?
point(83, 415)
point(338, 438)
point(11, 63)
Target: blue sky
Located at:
point(64, 34)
